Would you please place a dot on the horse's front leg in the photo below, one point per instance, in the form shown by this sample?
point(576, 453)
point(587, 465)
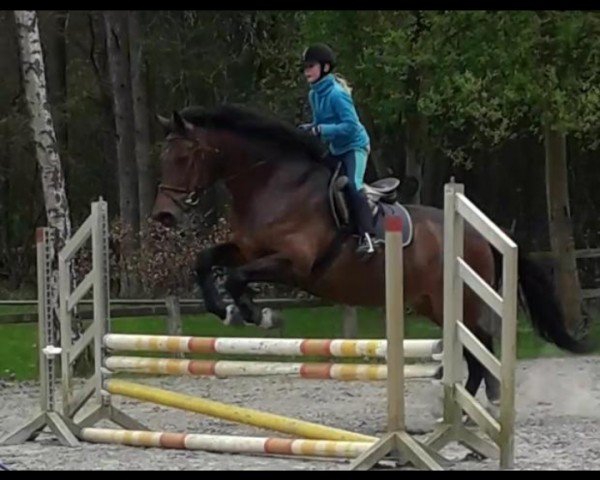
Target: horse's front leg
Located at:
point(223, 255)
point(271, 269)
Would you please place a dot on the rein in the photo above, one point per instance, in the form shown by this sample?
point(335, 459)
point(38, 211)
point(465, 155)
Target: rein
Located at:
point(192, 196)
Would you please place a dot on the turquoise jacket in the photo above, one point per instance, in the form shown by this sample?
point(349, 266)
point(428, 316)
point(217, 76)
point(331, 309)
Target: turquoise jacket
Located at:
point(335, 115)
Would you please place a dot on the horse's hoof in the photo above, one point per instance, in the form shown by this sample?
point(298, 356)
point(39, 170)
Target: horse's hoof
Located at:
point(494, 408)
point(233, 317)
point(493, 397)
point(270, 318)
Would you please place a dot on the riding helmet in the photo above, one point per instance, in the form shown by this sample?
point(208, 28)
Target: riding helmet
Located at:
point(319, 53)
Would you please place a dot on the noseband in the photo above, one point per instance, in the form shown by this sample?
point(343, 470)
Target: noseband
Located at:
point(192, 197)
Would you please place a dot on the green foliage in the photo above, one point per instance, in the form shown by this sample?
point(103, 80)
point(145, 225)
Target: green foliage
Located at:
point(481, 78)
point(482, 81)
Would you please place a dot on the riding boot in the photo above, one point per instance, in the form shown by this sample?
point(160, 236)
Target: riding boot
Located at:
point(361, 212)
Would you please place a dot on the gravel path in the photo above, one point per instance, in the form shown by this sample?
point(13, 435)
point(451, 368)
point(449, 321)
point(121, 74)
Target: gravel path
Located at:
point(558, 421)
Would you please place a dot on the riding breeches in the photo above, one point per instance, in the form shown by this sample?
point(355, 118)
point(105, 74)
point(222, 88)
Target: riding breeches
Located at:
point(355, 164)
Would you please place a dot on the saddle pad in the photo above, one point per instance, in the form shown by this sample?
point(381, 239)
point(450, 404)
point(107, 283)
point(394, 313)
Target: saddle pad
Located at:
point(397, 210)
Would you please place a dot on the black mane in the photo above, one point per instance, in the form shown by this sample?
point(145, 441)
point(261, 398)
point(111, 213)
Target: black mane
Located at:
point(255, 124)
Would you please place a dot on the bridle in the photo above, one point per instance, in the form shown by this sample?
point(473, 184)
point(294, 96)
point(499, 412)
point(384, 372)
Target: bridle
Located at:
point(192, 196)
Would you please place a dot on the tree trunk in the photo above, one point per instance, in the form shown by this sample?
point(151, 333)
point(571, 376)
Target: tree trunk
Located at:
point(99, 59)
point(42, 126)
point(34, 79)
point(141, 118)
point(118, 61)
point(417, 145)
point(560, 227)
point(431, 179)
point(12, 249)
point(378, 163)
point(55, 45)
point(413, 166)
point(4, 208)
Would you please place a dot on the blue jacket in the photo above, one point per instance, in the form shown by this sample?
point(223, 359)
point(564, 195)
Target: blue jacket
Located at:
point(335, 115)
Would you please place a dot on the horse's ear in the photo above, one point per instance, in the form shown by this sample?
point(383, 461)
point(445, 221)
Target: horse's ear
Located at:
point(182, 126)
point(164, 122)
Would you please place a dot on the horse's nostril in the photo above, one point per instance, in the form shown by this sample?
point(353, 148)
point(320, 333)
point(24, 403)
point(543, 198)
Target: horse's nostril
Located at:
point(166, 218)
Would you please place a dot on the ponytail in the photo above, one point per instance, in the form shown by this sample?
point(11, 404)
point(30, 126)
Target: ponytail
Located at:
point(343, 82)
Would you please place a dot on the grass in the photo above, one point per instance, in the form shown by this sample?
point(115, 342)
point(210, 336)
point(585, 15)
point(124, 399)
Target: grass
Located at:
point(16, 309)
point(18, 356)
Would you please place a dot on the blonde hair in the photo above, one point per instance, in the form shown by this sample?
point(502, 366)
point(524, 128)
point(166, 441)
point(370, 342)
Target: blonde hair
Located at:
point(343, 82)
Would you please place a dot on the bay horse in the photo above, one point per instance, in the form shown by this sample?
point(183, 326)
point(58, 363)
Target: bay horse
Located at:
point(283, 231)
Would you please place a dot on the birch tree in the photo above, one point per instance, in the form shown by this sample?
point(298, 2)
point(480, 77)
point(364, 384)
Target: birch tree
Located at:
point(44, 137)
point(42, 126)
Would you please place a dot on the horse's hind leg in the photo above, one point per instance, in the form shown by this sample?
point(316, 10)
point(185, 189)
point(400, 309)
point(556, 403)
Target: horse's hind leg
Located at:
point(272, 269)
point(476, 371)
point(474, 317)
point(472, 312)
point(224, 255)
point(492, 384)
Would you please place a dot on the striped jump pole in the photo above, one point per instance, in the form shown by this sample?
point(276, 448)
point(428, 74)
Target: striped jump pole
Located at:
point(268, 346)
point(233, 413)
point(227, 443)
point(233, 368)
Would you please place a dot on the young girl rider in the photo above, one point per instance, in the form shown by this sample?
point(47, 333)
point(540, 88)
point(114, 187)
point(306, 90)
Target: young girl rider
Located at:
point(336, 122)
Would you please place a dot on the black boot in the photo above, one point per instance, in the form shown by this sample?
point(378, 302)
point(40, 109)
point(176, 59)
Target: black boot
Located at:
point(361, 213)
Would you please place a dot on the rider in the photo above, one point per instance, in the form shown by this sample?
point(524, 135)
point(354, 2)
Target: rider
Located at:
point(335, 121)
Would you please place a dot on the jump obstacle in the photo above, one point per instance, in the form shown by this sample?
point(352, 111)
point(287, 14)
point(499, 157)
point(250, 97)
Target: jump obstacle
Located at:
point(268, 346)
point(100, 387)
point(226, 444)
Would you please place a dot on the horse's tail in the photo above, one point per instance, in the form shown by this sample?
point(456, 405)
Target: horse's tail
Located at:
point(545, 310)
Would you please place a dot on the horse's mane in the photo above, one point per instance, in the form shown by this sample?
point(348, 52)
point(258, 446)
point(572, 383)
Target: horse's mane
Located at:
point(255, 125)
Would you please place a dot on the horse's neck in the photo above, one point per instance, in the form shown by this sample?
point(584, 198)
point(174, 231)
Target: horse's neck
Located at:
point(241, 162)
point(257, 179)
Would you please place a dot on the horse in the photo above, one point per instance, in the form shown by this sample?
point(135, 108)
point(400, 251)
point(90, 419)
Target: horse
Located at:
point(284, 231)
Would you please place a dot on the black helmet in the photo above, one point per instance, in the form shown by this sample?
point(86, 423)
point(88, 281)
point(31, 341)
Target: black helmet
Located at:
point(319, 53)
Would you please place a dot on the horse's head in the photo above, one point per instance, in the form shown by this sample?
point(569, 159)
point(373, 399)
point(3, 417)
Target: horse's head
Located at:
point(187, 168)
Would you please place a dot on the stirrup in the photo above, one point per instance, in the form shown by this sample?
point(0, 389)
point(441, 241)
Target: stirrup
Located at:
point(365, 244)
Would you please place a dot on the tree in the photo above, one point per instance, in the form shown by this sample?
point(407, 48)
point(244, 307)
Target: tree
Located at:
point(141, 117)
point(53, 27)
point(117, 39)
point(42, 126)
point(499, 75)
point(566, 68)
point(475, 94)
point(44, 136)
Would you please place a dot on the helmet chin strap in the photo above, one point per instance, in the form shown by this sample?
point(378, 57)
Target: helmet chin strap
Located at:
point(323, 72)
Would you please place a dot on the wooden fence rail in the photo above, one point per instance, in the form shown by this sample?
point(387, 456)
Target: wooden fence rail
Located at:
point(189, 306)
point(148, 307)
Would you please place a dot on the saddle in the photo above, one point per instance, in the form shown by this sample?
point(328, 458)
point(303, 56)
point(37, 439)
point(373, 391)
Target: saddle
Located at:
point(382, 196)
